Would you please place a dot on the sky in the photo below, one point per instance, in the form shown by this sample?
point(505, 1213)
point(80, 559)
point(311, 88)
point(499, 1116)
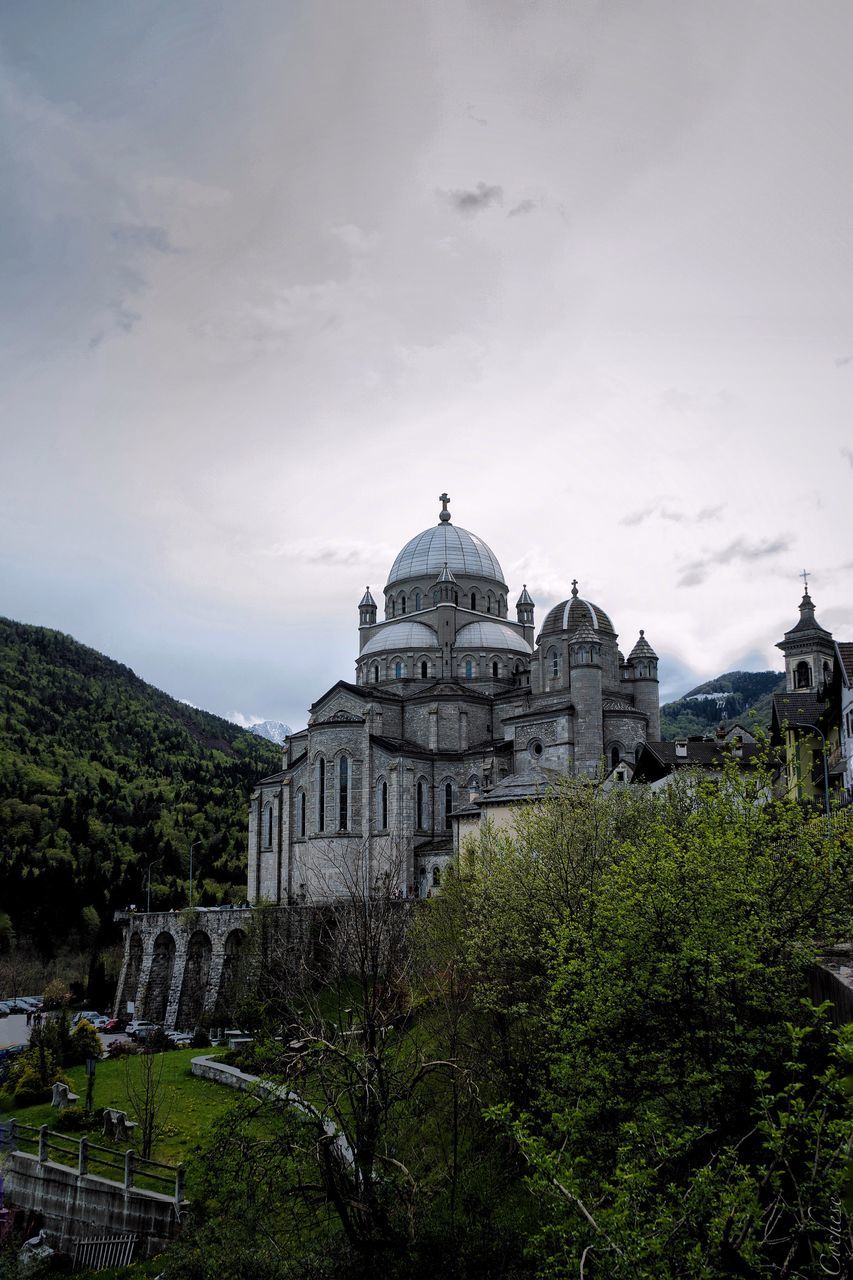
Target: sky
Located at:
point(274, 276)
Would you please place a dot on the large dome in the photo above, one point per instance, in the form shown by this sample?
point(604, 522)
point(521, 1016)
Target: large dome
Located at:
point(491, 635)
point(569, 614)
point(401, 635)
point(464, 554)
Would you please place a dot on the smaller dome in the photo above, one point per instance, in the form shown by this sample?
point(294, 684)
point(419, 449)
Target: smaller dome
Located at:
point(491, 635)
point(569, 614)
point(401, 635)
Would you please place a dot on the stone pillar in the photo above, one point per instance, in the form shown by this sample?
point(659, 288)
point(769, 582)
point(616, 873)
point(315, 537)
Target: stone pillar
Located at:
point(122, 977)
point(214, 975)
point(144, 975)
point(181, 940)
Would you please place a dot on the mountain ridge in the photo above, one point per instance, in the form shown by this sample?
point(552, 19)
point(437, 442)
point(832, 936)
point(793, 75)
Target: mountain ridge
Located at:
point(734, 695)
point(101, 772)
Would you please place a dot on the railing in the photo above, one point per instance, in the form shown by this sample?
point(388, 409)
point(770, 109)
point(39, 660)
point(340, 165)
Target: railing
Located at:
point(125, 1168)
point(98, 1253)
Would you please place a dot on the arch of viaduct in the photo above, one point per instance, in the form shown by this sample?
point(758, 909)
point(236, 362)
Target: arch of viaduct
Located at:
point(177, 969)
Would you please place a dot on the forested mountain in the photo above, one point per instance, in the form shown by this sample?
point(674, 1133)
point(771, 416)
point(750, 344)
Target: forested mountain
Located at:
point(737, 695)
point(100, 774)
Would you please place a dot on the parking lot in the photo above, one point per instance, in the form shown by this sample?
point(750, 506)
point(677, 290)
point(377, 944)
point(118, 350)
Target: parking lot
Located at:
point(14, 1030)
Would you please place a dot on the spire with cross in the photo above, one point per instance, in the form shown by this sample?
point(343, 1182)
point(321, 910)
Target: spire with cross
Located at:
point(444, 514)
point(805, 577)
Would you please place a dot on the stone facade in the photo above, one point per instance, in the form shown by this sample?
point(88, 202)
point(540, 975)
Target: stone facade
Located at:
point(450, 698)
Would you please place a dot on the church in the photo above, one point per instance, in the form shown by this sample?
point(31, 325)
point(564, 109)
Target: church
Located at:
point(453, 702)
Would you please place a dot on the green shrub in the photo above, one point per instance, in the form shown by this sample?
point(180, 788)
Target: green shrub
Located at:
point(84, 1042)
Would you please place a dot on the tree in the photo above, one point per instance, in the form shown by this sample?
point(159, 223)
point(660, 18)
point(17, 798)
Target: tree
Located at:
point(655, 953)
point(148, 1096)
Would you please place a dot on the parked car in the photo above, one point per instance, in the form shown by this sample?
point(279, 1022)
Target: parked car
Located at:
point(114, 1026)
point(142, 1030)
point(90, 1015)
point(181, 1039)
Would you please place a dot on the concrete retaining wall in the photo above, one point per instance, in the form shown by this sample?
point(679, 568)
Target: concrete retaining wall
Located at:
point(75, 1206)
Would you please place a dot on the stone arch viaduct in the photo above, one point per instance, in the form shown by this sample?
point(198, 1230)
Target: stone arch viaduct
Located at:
point(177, 969)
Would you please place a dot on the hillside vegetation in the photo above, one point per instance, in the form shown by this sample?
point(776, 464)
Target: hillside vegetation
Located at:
point(100, 773)
point(738, 695)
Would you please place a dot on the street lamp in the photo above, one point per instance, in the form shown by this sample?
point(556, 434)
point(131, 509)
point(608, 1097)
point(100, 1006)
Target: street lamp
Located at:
point(192, 848)
point(803, 724)
point(148, 882)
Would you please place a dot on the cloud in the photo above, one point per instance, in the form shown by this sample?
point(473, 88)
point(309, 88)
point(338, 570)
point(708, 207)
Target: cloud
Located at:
point(841, 361)
point(331, 552)
point(245, 722)
point(848, 454)
point(696, 571)
point(139, 236)
point(671, 514)
point(523, 206)
point(471, 202)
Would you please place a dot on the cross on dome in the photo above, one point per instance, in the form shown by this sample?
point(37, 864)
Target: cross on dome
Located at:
point(805, 577)
point(444, 514)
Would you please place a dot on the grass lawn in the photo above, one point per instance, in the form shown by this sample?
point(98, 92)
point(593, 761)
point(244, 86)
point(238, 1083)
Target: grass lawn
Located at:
point(191, 1105)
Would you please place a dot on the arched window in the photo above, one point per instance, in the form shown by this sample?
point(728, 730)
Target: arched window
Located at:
point(267, 826)
point(374, 671)
point(448, 805)
point(343, 794)
point(436, 596)
point(826, 673)
point(398, 670)
point(490, 600)
point(803, 676)
point(495, 670)
point(420, 803)
point(392, 606)
point(614, 757)
point(301, 813)
point(417, 601)
point(382, 805)
point(402, 604)
point(474, 600)
point(502, 605)
point(469, 669)
point(553, 663)
point(424, 670)
point(321, 794)
point(436, 877)
point(638, 751)
point(455, 597)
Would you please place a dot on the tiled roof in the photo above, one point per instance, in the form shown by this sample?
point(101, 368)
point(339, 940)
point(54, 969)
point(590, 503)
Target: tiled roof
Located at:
point(803, 707)
point(659, 758)
point(845, 653)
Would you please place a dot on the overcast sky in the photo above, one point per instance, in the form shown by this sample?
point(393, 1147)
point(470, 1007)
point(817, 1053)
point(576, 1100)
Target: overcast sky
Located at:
point(274, 275)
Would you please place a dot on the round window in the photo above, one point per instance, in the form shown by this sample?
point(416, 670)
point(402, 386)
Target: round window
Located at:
point(535, 748)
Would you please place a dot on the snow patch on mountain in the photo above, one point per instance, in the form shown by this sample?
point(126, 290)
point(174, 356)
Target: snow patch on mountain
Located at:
point(274, 730)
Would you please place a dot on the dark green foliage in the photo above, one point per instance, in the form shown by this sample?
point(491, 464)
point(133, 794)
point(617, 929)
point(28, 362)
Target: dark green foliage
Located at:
point(748, 697)
point(100, 774)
